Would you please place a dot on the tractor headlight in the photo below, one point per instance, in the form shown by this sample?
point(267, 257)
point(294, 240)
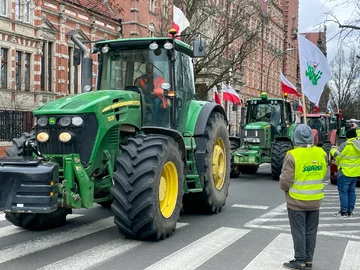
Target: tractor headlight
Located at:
point(64, 121)
point(65, 137)
point(42, 121)
point(252, 140)
point(77, 121)
point(42, 137)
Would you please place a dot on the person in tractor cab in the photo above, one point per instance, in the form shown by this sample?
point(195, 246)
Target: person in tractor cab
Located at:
point(317, 125)
point(150, 83)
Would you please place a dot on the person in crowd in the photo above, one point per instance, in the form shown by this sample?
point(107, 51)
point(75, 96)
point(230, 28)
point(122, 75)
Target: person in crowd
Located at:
point(302, 179)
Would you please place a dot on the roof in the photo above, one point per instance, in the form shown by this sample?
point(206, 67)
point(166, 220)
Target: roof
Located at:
point(316, 115)
point(144, 42)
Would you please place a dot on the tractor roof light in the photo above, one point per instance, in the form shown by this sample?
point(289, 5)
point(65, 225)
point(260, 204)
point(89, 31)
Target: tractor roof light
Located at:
point(285, 95)
point(65, 137)
point(153, 46)
point(168, 45)
point(105, 49)
point(264, 95)
point(42, 137)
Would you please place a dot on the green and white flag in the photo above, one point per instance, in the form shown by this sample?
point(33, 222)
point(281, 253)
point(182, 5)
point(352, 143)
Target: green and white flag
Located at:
point(314, 69)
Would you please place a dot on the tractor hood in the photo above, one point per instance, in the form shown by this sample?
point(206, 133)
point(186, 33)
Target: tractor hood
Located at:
point(257, 125)
point(89, 102)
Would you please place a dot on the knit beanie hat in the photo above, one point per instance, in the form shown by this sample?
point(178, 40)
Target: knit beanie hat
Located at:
point(303, 135)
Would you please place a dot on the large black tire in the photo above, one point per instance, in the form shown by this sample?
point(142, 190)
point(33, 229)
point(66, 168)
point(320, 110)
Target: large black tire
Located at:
point(278, 153)
point(249, 169)
point(145, 163)
point(215, 191)
point(28, 220)
point(235, 172)
point(326, 146)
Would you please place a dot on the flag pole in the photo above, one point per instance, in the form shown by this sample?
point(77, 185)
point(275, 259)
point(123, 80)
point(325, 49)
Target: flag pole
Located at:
point(304, 106)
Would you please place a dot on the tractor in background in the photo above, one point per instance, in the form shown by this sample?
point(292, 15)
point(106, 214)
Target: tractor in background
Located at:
point(266, 135)
point(108, 146)
point(327, 130)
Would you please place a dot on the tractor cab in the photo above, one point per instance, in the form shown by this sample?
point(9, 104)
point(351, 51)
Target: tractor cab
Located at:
point(146, 66)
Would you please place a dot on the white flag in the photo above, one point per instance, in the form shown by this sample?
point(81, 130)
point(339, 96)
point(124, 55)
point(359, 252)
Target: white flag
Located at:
point(180, 22)
point(329, 107)
point(314, 69)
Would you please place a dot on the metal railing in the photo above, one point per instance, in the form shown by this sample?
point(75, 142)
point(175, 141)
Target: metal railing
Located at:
point(13, 123)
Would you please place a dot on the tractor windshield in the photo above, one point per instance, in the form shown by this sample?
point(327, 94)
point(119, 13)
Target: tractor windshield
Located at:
point(264, 112)
point(318, 123)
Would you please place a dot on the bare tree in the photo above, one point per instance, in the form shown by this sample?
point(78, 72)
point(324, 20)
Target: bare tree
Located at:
point(231, 30)
point(346, 72)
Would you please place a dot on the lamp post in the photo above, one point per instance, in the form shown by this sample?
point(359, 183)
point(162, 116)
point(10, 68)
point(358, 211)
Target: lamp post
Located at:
point(272, 60)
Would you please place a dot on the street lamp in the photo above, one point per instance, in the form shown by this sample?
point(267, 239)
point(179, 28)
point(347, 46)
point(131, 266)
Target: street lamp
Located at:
point(272, 60)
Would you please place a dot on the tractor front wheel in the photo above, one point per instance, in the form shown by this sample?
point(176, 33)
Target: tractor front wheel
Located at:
point(278, 153)
point(148, 188)
point(36, 221)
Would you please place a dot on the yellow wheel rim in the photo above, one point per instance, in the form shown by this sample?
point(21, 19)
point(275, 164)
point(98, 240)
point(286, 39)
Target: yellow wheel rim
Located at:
point(219, 163)
point(168, 189)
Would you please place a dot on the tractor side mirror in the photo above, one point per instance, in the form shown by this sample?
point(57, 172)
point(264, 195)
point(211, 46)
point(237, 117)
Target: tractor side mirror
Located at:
point(295, 106)
point(199, 48)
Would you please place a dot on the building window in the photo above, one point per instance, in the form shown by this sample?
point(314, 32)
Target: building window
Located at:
point(3, 70)
point(22, 10)
point(151, 28)
point(46, 81)
point(3, 8)
point(74, 72)
point(152, 5)
point(27, 71)
point(165, 8)
point(18, 70)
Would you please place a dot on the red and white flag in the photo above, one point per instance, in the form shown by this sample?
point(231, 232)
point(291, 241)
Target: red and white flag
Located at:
point(180, 22)
point(301, 107)
point(229, 94)
point(217, 96)
point(317, 107)
point(287, 86)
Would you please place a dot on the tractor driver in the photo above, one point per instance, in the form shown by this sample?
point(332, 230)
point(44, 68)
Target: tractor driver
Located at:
point(150, 83)
point(275, 122)
point(317, 125)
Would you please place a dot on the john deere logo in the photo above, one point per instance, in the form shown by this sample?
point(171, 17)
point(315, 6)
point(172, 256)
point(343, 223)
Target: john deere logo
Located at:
point(312, 73)
point(312, 168)
point(52, 120)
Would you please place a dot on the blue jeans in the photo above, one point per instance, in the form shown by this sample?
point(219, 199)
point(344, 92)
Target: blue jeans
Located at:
point(346, 187)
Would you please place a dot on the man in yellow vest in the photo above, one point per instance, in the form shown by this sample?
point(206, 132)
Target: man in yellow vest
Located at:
point(302, 179)
point(347, 157)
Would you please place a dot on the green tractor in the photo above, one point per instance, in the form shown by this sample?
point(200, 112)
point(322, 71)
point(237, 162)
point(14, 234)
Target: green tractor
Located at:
point(120, 148)
point(266, 136)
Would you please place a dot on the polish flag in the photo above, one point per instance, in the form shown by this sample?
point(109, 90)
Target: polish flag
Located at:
point(217, 96)
point(317, 106)
point(230, 94)
point(287, 86)
point(180, 22)
point(301, 107)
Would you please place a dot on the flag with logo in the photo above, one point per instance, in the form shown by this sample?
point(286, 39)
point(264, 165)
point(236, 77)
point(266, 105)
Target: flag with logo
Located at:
point(314, 69)
point(229, 94)
point(180, 22)
point(287, 86)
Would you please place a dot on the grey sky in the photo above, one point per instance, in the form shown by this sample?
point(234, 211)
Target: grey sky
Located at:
point(312, 14)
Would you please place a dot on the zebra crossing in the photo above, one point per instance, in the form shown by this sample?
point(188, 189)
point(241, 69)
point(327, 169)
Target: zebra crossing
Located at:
point(198, 253)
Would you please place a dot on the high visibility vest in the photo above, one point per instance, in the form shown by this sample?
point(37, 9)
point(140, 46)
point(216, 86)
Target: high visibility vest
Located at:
point(347, 157)
point(310, 170)
point(358, 132)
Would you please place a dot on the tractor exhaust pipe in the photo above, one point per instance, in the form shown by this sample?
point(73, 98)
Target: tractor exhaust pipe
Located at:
point(86, 63)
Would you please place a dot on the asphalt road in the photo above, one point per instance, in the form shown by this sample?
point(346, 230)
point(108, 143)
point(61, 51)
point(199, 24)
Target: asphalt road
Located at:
point(252, 233)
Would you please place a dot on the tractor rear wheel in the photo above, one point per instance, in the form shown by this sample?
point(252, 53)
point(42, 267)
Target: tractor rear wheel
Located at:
point(216, 171)
point(29, 220)
point(249, 169)
point(148, 187)
point(278, 153)
point(326, 146)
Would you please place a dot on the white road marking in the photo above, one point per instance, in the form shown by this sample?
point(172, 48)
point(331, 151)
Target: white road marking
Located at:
point(11, 229)
point(262, 207)
point(321, 218)
point(198, 252)
point(54, 239)
point(255, 223)
point(97, 255)
point(272, 257)
point(351, 258)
